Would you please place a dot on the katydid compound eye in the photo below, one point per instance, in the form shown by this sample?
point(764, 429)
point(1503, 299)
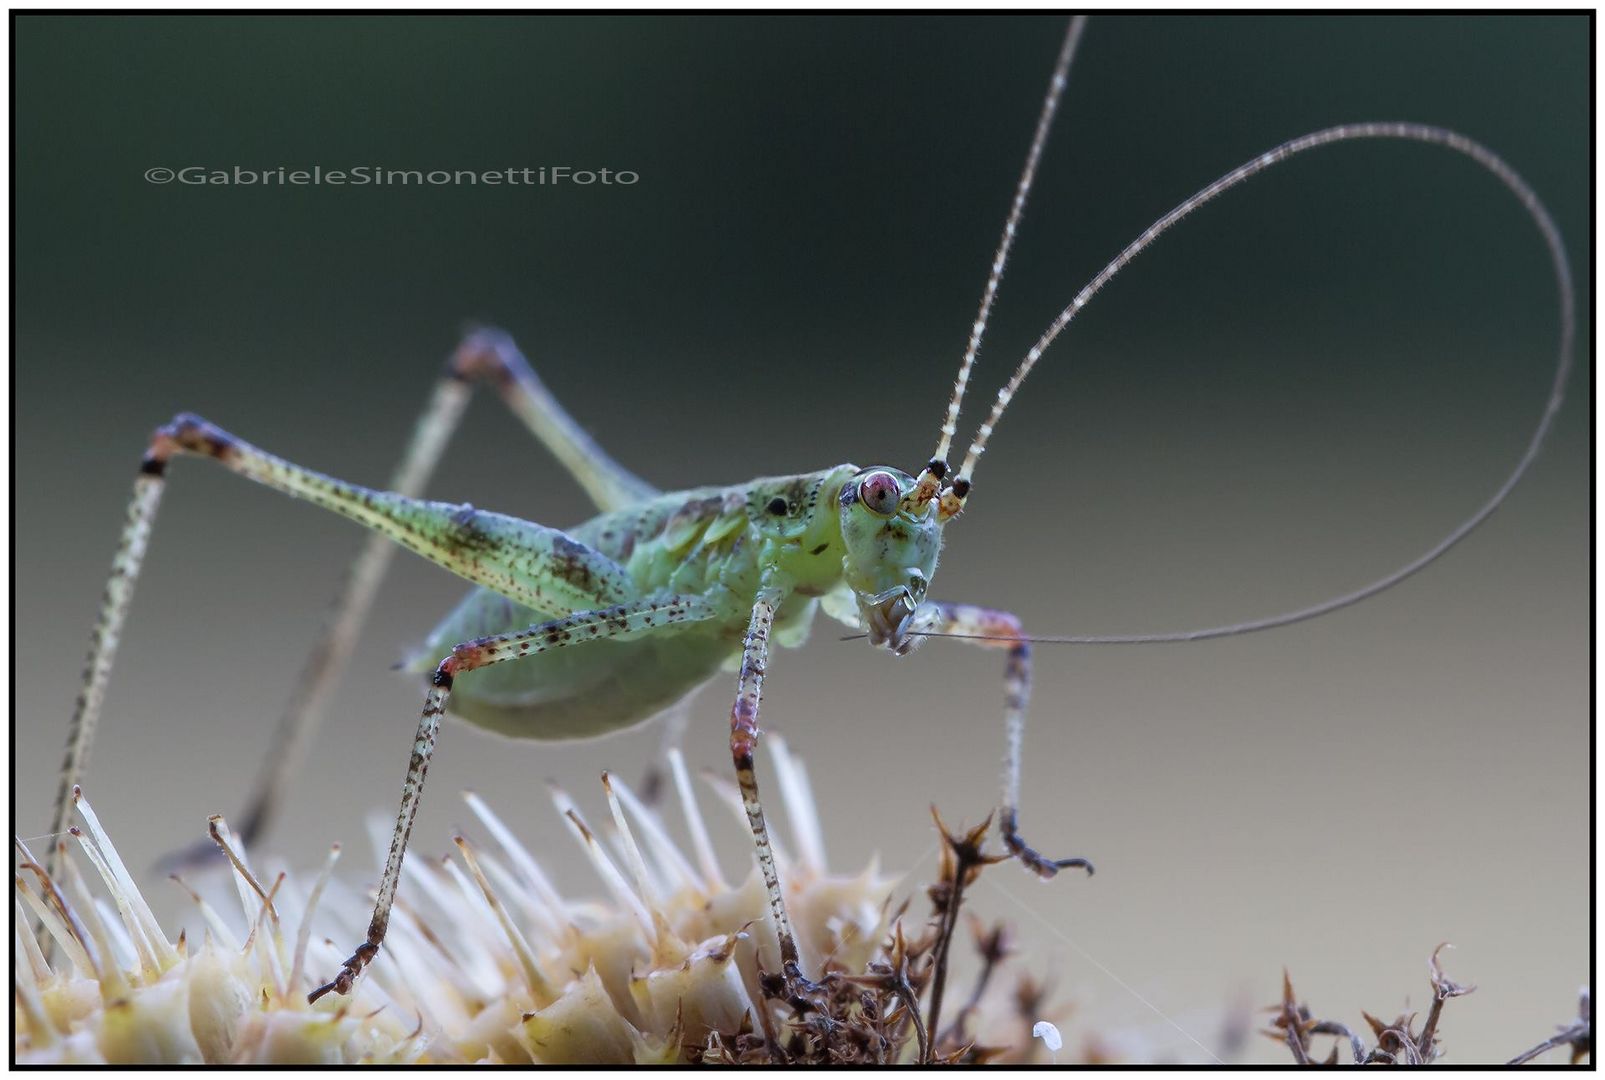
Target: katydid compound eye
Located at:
point(879, 492)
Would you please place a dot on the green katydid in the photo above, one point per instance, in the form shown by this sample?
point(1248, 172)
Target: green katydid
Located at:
point(577, 632)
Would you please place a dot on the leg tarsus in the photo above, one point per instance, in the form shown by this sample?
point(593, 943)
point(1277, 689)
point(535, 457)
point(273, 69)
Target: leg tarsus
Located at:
point(793, 987)
point(1029, 857)
point(800, 987)
point(346, 980)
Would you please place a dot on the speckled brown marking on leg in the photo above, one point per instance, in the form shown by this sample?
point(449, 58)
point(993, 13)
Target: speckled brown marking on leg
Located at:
point(743, 747)
point(186, 433)
point(571, 561)
point(193, 435)
point(327, 659)
point(537, 566)
point(190, 434)
point(139, 519)
point(994, 629)
point(621, 621)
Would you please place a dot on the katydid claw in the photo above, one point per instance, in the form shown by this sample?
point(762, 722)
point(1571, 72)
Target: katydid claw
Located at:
point(1043, 866)
point(343, 982)
point(1033, 860)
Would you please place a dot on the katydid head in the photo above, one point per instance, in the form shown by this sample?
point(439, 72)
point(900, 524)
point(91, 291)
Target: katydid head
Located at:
point(892, 541)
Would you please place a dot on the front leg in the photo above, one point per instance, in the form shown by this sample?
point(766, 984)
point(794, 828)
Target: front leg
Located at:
point(1000, 630)
point(617, 623)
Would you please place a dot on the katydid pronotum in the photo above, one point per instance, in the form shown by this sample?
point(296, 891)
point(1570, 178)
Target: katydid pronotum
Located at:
point(680, 584)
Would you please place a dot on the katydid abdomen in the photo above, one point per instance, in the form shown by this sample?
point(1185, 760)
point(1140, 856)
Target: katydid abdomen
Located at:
point(705, 542)
point(572, 693)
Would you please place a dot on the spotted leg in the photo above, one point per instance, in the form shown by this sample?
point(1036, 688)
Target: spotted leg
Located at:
point(536, 566)
point(743, 747)
point(489, 355)
point(617, 623)
point(1000, 630)
point(140, 517)
point(485, 355)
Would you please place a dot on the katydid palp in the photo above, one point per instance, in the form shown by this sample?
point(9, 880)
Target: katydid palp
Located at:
point(670, 588)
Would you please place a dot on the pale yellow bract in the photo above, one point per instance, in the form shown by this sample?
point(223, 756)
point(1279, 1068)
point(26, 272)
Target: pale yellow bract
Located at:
point(487, 962)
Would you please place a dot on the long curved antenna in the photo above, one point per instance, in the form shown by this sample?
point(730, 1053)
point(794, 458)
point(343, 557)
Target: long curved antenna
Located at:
point(1413, 132)
point(1050, 105)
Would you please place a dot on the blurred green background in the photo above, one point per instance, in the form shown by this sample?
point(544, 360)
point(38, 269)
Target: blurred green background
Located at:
point(1297, 391)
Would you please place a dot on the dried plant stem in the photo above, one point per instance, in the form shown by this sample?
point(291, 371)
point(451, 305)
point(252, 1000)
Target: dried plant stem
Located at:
point(993, 946)
point(1332, 1027)
point(1579, 1036)
point(1579, 1033)
point(961, 862)
point(905, 994)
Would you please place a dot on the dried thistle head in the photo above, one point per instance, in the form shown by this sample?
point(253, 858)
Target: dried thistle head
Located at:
point(486, 961)
point(1399, 1042)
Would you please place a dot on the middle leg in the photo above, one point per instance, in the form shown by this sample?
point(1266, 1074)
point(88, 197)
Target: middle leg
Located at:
point(617, 623)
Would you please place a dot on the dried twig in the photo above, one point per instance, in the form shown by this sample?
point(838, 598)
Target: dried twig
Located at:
point(1579, 1035)
point(1443, 988)
point(1293, 1022)
point(1396, 1043)
point(962, 861)
point(993, 945)
point(1332, 1027)
point(873, 1016)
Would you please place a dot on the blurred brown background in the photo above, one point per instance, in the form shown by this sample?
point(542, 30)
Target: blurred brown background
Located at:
point(1294, 393)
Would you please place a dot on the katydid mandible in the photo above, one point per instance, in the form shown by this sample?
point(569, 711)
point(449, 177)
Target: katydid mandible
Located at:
point(568, 634)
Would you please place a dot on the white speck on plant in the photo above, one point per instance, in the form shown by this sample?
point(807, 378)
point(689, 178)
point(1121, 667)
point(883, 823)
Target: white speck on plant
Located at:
point(1050, 1037)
